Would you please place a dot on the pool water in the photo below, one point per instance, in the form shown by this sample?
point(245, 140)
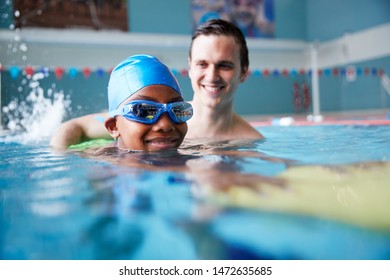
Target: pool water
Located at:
point(317, 192)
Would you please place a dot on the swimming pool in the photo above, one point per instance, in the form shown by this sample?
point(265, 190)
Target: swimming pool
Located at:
point(332, 202)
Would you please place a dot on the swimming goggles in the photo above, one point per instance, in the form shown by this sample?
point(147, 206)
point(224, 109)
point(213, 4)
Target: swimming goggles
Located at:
point(149, 112)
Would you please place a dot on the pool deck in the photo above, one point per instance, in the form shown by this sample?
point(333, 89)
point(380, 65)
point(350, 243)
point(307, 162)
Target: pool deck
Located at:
point(366, 117)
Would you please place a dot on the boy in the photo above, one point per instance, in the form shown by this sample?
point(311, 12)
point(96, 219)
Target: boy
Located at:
point(146, 107)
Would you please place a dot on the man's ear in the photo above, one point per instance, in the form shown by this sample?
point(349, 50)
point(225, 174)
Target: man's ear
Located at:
point(189, 67)
point(111, 127)
point(244, 74)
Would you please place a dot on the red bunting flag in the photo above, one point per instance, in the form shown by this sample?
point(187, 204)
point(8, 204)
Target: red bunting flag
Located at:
point(59, 72)
point(86, 72)
point(29, 71)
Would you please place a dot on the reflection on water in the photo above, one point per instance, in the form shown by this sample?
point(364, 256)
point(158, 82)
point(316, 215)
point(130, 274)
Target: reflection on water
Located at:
point(259, 200)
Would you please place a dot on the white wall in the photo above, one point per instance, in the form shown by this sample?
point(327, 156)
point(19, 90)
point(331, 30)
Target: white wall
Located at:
point(87, 48)
point(356, 47)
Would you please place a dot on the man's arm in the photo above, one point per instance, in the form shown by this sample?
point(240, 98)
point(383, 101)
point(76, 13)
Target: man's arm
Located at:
point(80, 129)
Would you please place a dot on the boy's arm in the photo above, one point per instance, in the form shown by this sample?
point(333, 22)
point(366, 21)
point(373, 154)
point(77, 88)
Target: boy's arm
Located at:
point(80, 129)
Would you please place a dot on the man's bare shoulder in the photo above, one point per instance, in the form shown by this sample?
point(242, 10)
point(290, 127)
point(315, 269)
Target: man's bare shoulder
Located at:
point(243, 129)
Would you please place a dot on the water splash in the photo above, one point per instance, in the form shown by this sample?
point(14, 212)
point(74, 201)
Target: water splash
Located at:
point(34, 119)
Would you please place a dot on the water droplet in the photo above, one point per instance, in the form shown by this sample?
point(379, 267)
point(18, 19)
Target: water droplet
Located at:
point(38, 76)
point(12, 105)
point(23, 47)
point(34, 84)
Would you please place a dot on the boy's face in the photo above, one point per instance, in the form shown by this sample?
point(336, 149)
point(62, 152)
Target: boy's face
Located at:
point(215, 69)
point(164, 134)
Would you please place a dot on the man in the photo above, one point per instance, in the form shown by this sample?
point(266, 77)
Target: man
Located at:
point(218, 63)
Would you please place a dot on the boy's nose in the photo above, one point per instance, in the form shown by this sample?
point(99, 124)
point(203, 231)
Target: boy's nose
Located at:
point(164, 123)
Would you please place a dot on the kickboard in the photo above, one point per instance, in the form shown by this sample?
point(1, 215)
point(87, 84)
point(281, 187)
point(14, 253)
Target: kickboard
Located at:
point(355, 194)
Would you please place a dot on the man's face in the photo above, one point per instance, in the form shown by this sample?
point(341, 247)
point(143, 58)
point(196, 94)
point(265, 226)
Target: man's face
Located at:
point(215, 69)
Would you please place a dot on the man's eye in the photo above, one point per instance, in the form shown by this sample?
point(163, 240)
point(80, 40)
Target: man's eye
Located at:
point(226, 66)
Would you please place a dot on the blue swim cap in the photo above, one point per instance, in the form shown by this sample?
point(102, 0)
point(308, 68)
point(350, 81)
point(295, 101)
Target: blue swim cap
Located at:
point(135, 73)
